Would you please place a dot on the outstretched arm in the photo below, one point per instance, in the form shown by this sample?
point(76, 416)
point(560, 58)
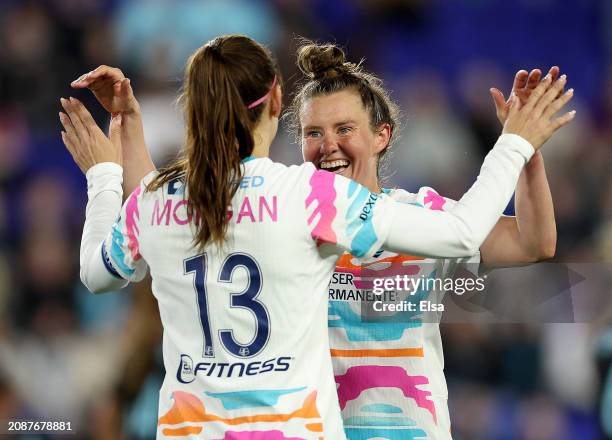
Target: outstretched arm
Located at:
point(114, 92)
point(532, 235)
point(345, 215)
point(109, 254)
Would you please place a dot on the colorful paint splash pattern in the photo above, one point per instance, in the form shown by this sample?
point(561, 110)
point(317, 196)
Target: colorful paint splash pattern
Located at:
point(189, 410)
point(361, 378)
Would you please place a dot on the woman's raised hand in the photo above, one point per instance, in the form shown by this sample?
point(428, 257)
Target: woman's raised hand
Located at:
point(87, 144)
point(535, 120)
point(524, 83)
point(111, 88)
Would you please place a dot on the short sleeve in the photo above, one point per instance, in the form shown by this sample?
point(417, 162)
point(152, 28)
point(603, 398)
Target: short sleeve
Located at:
point(345, 214)
point(121, 248)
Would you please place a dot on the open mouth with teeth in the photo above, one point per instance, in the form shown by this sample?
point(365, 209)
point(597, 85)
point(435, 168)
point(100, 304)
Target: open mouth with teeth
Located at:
point(335, 166)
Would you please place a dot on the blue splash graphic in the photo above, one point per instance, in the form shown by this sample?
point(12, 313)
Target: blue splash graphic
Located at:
point(251, 399)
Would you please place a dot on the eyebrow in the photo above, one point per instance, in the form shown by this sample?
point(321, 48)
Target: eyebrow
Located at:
point(338, 124)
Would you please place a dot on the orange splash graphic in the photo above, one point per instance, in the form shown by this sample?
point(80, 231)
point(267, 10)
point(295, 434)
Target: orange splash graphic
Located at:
point(315, 427)
point(383, 353)
point(187, 430)
point(189, 408)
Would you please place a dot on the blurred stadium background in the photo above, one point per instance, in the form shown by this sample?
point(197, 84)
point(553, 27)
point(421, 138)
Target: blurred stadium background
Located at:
point(64, 353)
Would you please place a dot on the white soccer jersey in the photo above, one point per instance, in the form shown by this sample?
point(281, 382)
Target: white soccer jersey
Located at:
point(245, 343)
point(245, 331)
point(390, 374)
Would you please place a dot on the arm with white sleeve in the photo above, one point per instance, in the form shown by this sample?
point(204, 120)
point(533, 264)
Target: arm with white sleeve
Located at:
point(352, 219)
point(348, 216)
point(110, 256)
point(460, 231)
point(473, 217)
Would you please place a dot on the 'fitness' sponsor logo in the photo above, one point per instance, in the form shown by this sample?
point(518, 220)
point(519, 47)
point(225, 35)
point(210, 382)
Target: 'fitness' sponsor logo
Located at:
point(187, 371)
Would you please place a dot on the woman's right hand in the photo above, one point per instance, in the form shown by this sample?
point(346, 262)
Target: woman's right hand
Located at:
point(535, 121)
point(111, 88)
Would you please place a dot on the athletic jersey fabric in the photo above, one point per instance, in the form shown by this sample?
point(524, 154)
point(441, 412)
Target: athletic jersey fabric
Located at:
point(245, 336)
point(245, 343)
point(390, 374)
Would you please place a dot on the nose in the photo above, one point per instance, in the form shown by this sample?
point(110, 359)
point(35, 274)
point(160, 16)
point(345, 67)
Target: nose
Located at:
point(329, 145)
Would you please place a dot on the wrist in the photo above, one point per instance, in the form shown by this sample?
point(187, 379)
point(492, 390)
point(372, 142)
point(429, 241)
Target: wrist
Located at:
point(130, 117)
point(133, 111)
point(535, 164)
point(518, 143)
point(109, 167)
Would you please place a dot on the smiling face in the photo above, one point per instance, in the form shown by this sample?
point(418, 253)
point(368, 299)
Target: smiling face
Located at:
point(337, 136)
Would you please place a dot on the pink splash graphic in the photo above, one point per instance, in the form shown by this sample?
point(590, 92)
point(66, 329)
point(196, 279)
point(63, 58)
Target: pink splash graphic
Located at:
point(257, 435)
point(437, 201)
point(324, 193)
point(358, 379)
point(132, 215)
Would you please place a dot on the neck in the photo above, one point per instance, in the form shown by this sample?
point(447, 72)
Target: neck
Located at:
point(370, 180)
point(373, 186)
point(261, 150)
point(261, 136)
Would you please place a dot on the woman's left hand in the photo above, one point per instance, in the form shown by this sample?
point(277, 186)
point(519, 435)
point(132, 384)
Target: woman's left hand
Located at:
point(87, 144)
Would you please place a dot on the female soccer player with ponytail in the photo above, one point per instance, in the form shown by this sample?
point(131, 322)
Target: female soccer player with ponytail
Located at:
point(241, 249)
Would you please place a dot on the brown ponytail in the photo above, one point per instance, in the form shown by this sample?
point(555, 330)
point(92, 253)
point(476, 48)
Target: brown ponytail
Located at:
point(221, 79)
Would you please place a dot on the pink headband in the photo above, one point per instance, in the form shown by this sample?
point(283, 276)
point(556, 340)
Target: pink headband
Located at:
point(264, 97)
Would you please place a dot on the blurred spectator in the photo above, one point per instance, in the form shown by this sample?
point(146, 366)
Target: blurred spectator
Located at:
point(434, 148)
point(157, 36)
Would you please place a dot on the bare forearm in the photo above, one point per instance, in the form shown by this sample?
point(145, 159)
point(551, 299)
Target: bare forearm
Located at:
point(535, 214)
point(530, 236)
point(137, 161)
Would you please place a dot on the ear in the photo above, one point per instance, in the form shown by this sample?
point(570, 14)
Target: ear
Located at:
point(382, 137)
point(276, 101)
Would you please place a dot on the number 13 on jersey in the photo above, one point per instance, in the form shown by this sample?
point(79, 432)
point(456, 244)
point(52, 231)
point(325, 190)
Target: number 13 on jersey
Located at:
point(246, 299)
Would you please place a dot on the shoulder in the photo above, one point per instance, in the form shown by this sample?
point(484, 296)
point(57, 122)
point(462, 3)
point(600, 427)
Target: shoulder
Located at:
point(266, 165)
point(401, 195)
point(175, 186)
point(309, 177)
